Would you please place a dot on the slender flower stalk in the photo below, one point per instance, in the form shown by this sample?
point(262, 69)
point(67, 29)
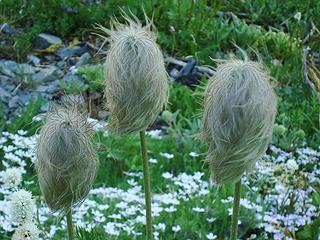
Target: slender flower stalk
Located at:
point(70, 224)
point(236, 210)
point(239, 113)
point(147, 187)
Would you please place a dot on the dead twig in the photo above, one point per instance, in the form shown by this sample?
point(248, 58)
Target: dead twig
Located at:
point(202, 69)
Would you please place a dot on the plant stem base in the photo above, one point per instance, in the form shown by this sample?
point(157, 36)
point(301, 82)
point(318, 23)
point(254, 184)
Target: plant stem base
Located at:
point(147, 186)
point(235, 213)
point(70, 225)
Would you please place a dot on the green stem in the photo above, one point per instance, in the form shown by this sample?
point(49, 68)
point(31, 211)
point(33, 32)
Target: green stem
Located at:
point(235, 213)
point(70, 225)
point(146, 181)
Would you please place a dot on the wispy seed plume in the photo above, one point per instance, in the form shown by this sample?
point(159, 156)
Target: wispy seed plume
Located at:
point(66, 160)
point(135, 77)
point(238, 118)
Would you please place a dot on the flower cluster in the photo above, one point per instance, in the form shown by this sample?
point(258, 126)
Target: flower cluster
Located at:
point(11, 178)
point(279, 198)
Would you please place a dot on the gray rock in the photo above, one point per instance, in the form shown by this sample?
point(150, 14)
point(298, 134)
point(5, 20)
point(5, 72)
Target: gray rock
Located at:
point(7, 29)
point(73, 78)
point(42, 88)
point(9, 87)
point(33, 59)
point(174, 73)
point(25, 97)
point(49, 88)
point(44, 40)
point(70, 52)
point(45, 107)
point(51, 59)
point(3, 80)
point(61, 65)
point(25, 69)
point(47, 74)
point(102, 115)
point(8, 68)
point(13, 102)
point(84, 59)
point(54, 87)
point(4, 93)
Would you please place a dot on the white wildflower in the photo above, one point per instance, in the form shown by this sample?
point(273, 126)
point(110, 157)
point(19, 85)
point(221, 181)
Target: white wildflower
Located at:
point(160, 226)
point(211, 236)
point(176, 228)
point(166, 155)
point(211, 220)
point(297, 16)
point(153, 160)
point(193, 154)
point(11, 177)
point(292, 165)
point(156, 134)
point(27, 231)
point(22, 132)
point(22, 207)
point(198, 209)
point(167, 175)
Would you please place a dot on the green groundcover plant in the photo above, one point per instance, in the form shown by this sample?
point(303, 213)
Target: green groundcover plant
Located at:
point(280, 200)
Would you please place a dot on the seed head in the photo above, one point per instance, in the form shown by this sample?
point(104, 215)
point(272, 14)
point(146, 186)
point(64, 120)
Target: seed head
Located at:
point(66, 161)
point(135, 77)
point(239, 113)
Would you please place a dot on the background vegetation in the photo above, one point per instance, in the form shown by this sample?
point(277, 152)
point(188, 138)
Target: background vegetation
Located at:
point(271, 28)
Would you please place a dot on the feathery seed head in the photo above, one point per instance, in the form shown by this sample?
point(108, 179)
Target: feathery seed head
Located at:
point(135, 77)
point(66, 161)
point(239, 112)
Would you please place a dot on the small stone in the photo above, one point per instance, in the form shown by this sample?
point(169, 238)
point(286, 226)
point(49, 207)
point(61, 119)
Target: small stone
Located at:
point(53, 87)
point(47, 88)
point(84, 59)
point(174, 73)
point(33, 59)
point(73, 78)
point(13, 102)
point(8, 68)
point(25, 69)
point(4, 93)
point(45, 107)
point(3, 79)
point(69, 52)
point(44, 40)
point(42, 88)
point(9, 87)
point(102, 115)
point(61, 65)
point(48, 74)
point(7, 29)
point(25, 97)
point(51, 59)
